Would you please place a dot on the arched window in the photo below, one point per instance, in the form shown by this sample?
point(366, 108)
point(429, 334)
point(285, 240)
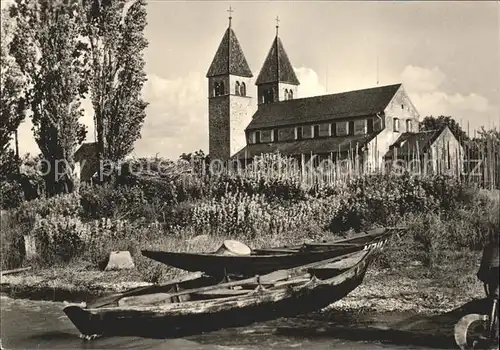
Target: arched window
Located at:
point(408, 125)
point(290, 95)
point(221, 88)
point(216, 89)
point(286, 94)
point(237, 88)
point(243, 89)
point(269, 96)
point(396, 125)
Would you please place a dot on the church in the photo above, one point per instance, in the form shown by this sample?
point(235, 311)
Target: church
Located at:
point(371, 123)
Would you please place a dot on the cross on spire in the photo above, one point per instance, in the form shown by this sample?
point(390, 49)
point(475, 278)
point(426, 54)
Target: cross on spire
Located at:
point(277, 24)
point(230, 15)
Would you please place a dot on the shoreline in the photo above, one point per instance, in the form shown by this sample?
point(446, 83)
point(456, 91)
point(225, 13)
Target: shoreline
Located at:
point(382, 290)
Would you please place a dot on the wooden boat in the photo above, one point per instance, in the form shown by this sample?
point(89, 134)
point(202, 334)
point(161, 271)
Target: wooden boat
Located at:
point(177, 312)
point(262, 261)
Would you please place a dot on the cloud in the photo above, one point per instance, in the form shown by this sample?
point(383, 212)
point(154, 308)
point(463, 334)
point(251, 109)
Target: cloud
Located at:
point(418, 79)
point(177, 116)
point(424, 88)
point(309, 82)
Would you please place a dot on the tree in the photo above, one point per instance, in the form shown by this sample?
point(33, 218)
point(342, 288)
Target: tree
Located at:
point(115, 31)
point(47, 47)
point(11, 95)
point(436, 123)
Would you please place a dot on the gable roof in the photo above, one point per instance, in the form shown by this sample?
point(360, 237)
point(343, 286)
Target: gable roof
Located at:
point(229, 58)
point(86, 151)
point(323, 108)
point(277, 67)
point(306, 146)
point(413, 143)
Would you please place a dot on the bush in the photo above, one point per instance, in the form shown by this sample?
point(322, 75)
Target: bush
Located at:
point(11, 194)
point(60, 238)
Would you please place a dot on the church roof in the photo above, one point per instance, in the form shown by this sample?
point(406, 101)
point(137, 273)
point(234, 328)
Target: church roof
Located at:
point(277, 66)
point(229, 58)
point(306, 146)
point(323, 108)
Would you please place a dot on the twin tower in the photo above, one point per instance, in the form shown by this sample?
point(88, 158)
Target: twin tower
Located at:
point(230, 106)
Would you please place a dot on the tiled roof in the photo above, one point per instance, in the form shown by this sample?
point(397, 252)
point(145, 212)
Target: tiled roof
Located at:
point(277, 66)
point(307, 146)
point(413, 143)
point(324, 108)
point(229, 58)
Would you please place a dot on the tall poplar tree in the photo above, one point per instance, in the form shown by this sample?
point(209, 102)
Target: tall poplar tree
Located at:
point(47, 45)
point(115, 32)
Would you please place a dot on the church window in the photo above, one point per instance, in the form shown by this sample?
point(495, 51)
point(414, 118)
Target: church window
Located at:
point(316, 131)
point(408, 125)
point(298, 133)
point(275, 135)
point(351, 128)
point(396, 125)
point(369, 125)
point(257, 137)
point(216, 89)
point(334, 129)
point(290, 95)
point(237, 88)
point(243, 89)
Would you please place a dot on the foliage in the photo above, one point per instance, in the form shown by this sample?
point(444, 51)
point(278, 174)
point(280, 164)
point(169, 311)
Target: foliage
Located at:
point(11, 194)
point(51, 56)
point(114, 30)
point(12, 85)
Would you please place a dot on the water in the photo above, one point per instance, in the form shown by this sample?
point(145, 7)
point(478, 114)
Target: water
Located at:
point(42, 325)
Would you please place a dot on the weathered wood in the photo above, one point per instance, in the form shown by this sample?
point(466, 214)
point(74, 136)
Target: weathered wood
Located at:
point(113, 298)
point(249, 265)
point(196, 315)
point(13, 271)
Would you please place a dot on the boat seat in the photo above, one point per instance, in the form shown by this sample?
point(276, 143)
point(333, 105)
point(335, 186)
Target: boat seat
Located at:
point(220, 293)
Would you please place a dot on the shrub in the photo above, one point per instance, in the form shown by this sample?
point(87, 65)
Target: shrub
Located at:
point(60, 238)
point(11, 194)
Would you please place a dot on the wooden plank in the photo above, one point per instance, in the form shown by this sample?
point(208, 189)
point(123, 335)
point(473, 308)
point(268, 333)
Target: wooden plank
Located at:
point(113, 298)
point(13, 271)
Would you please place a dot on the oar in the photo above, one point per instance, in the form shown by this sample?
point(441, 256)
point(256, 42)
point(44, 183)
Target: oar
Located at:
point(113, 298)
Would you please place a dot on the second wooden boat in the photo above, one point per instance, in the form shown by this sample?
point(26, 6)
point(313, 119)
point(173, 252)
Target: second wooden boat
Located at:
point(264, 261)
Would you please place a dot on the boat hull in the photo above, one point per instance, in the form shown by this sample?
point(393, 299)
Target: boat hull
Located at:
point(187, 318)
point(250, 265)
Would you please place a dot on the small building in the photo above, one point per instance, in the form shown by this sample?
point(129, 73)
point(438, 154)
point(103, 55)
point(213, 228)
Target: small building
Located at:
point(432, 151)
point(86, 161)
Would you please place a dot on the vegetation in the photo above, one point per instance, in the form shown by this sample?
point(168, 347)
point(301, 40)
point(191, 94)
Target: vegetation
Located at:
point(166, 211)
point(114, 30)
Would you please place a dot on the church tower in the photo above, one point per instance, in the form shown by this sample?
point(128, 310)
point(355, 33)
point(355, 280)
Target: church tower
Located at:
point(229, 104)
point(277, 80)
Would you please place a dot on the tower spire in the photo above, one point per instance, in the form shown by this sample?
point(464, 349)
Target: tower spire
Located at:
point(277, 24)
point(230, 15)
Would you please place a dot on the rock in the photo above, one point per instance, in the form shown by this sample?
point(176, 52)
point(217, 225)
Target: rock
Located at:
point(120, 260)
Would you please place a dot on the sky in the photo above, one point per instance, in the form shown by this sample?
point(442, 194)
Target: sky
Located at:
point(446, 54)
